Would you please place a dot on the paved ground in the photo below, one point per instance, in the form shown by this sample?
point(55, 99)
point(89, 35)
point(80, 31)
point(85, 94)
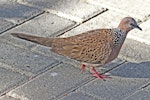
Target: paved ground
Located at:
point(30, 71)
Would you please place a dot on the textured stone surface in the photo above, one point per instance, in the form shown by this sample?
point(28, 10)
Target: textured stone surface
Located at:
point(43, 25)
point(133, 70)
point(78, 96)
point(17, 13)
point(5, 25)
point(53, 83)
point(9, 79)
point(127, 7)
point(7, 98)
point(25, 60)
point(76, 10)
point(140, 95)
point(135, 51)
point(114, 88)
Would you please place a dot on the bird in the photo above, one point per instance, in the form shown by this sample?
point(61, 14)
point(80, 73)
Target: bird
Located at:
point(92, 48)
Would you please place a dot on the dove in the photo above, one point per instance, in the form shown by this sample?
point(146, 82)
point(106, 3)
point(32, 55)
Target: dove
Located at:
point(92, 48)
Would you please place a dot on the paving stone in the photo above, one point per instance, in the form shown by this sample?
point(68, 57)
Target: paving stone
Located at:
point(17, 13)
point(78, 96)
point(56, 82)
point(9, 79)
point(133, 70)
point(43, 25)
point(135, 51)
point(77, 9)
point(7, 98)
point(115, 88)
point(127, 7)
point(5, 25)
point(141, 95)
point(24, 60)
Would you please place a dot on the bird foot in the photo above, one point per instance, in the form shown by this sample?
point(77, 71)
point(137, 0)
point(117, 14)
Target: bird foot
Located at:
point(82, 68)
point(98, 75)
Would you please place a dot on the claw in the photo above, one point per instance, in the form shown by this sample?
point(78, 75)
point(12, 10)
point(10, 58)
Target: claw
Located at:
point(82, 68)
point(98, 75)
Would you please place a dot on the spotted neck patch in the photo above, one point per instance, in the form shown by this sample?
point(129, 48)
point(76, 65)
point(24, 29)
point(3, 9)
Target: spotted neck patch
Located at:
point(118, 36)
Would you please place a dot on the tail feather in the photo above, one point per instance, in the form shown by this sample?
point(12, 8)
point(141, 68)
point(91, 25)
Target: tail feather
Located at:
point(39, 40)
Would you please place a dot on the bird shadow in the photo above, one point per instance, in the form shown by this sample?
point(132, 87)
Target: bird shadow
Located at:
point(132, 70)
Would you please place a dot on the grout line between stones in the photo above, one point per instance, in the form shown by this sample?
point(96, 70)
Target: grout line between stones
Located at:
point(138, 90)
point(20, 97)
point(22, 72)
point(86, 81)
point(15, 25)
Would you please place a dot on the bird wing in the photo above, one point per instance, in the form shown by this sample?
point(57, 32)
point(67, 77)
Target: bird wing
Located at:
point(90, 47)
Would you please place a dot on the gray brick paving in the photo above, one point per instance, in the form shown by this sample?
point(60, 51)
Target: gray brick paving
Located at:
point(38, 27)
point(16, 12)
point(12, 13)
point(77, 9)
point(7, 98)
point(78, 96)
point(57, 77)
point(135, 51)
point(141, 94)
point(127, 7)
point(5, 25)
point(115, 88)
point(25, 60)
point(53, 83)
point(9, 79)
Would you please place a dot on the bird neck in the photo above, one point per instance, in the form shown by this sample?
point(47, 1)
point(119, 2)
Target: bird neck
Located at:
point(118, 36)
point(124, 27)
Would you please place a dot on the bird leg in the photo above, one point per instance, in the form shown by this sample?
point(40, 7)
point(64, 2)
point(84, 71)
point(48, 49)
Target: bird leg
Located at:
point(98, 75)
point(82, 67)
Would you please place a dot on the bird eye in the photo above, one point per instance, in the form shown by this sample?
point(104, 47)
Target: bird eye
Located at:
point(131, 24)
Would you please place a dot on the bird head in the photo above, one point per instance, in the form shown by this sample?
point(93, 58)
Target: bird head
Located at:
point(128, 23)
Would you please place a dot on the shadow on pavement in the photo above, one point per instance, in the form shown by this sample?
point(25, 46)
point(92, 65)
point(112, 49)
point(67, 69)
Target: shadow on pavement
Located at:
point(133, 70)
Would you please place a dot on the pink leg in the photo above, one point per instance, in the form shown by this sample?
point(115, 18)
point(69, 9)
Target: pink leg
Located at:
point(96, 74)
point(82, 68)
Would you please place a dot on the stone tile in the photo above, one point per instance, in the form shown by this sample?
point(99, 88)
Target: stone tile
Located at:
point(135, 51)
point(17, 13)
point(115, 88)
point(77, 9)
point(25, 60)
point(43, 25)
point(140, 95)
point(56, 82)
point(133, 70)
point(126, 7)
point(7, 98)
point(78, 96)
point(9, 79)
point(5, 25)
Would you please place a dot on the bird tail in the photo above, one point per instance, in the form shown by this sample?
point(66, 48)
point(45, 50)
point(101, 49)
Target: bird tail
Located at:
point(39, 40)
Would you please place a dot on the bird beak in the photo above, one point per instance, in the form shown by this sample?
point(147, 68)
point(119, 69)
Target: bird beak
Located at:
point(138, 27)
